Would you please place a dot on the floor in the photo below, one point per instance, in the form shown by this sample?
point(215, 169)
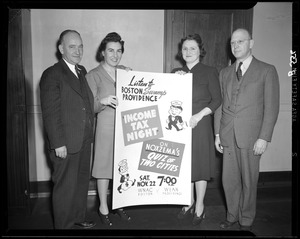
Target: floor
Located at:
point(273, 219)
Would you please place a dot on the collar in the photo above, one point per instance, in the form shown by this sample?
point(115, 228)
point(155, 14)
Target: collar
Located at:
point(71, 67)
point(246, 64)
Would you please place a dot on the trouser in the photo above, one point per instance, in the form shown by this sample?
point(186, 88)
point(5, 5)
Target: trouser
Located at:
point(240, 177)
point(71, 182)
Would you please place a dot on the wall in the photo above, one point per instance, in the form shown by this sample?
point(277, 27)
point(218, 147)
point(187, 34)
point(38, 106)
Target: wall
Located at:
point(142, 31)
point(272, 34)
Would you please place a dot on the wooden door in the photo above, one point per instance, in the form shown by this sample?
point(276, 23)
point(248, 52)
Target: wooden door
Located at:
point(215, 28)
point(16, 128)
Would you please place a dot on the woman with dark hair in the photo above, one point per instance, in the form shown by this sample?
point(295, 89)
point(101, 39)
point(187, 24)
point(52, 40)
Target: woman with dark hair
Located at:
point(102, 81)
point(206, 99)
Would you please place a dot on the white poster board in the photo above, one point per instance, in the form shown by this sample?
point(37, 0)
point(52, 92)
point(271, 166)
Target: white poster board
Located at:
point(152, 153)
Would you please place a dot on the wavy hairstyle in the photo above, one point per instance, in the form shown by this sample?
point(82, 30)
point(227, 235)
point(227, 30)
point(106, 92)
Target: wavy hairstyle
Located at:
point(110, 37)
point(196, 37)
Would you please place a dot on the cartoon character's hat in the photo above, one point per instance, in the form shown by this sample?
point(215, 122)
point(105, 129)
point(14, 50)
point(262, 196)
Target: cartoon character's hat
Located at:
point(123, 163)
point(176, 103)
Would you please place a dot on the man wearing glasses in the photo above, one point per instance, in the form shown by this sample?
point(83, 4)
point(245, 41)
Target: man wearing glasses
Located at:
point(244, 125)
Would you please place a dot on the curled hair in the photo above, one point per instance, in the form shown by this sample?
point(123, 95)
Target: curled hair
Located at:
point(196, 37)
point(110, 37)
point(65, 32)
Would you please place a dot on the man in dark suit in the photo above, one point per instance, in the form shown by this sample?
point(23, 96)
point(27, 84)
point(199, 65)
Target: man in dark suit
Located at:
point(68, 113)
point(244, 125)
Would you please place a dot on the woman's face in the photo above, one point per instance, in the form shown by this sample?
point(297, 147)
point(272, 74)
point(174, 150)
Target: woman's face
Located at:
point(113, 53)
point(190, 51)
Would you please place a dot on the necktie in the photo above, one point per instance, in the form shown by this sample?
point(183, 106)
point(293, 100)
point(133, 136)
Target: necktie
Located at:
point(77, 69)
point(239, 72)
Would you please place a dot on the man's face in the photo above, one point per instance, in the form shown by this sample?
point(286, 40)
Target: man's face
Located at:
point(71, 48)
point(241, 44)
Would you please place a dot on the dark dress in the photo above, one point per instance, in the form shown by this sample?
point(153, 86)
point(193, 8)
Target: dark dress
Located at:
point(206, 93)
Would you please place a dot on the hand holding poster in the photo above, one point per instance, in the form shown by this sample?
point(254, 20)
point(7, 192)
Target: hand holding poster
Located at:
point(152, 157)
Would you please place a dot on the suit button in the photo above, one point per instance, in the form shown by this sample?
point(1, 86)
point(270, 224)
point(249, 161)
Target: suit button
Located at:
point(83, 108)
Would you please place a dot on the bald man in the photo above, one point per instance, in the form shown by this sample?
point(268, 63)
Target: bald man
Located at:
point(244, 126)
point(68, 115)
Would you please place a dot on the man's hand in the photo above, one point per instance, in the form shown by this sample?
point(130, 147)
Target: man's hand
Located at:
point(61, 152)
point(260, 146)
point(218, 144)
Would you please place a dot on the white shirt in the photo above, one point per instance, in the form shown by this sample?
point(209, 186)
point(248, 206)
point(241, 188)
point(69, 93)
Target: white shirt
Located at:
point(245, 65)
point(71, 67)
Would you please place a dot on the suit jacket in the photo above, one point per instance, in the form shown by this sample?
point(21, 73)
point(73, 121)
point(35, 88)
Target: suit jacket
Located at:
point(257, 105)
point(63, 107)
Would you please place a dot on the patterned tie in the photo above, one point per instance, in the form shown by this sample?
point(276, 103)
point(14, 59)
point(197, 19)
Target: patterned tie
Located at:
point(239, 72)
point(77, 69)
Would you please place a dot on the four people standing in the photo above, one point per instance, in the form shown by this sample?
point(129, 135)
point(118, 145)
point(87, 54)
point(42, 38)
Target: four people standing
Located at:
point(206, 99)
point(244, 125)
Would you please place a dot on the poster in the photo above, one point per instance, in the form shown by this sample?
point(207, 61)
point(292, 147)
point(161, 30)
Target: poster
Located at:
point(152, 153)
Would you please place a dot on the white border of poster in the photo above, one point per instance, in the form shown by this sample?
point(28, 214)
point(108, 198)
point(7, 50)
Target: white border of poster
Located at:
point(152, 153)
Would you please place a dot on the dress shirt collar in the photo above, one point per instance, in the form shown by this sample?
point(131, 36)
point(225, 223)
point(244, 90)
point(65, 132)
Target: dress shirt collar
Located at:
point(71, 67)
point(245, 65)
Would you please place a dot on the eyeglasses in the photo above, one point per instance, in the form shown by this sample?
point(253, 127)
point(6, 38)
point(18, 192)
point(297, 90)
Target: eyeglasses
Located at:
point(239, 42)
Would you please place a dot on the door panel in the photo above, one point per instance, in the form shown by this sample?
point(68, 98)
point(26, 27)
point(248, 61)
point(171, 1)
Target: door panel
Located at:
point(215, 28)
point(16, 128)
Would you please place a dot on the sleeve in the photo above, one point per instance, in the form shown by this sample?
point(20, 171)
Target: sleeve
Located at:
point(50, 95)
point(91, 79)
point(218, 112)
point(271, 104)
point(215, 91)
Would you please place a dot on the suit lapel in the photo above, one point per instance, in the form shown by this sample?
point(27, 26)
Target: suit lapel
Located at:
point(107, 76)
point(88, 89)
point(70, 78)
point(248, 76)
point(231, 77)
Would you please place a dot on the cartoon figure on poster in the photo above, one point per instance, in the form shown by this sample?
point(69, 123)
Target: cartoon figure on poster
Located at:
point(124, 180)
point(174, 118)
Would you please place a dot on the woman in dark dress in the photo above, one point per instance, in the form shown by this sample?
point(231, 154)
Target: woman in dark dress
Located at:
point(206, 99)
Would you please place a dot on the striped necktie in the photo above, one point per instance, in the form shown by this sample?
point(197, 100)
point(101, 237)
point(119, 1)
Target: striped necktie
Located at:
point(239, 72)
point(77, 69)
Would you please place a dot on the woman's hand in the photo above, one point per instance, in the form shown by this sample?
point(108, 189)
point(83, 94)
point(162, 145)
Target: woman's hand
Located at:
point(110, 100)
point(195, 119)
point(180, 72)
point(126, 68)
